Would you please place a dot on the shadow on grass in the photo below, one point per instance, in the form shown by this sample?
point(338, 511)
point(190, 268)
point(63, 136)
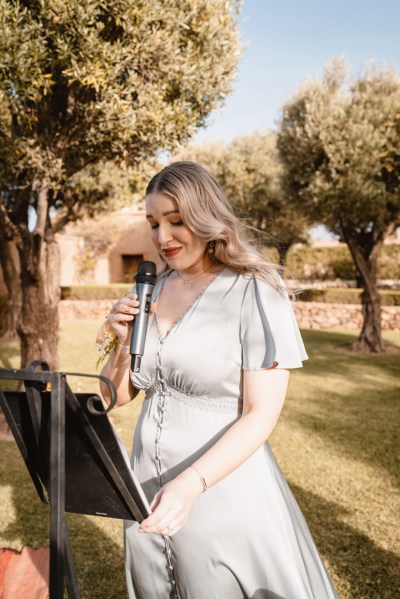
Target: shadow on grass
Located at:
point(98, 560)
point(352, 401)
point(326, 344)
point(369, 571)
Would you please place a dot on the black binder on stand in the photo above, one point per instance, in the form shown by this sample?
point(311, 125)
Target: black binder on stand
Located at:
point(73, 456)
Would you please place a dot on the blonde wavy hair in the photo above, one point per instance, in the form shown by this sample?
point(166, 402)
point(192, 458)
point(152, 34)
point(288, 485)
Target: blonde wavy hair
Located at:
point(206, 211)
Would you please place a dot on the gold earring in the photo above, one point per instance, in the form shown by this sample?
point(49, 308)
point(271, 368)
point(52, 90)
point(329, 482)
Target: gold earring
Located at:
point(211, 247)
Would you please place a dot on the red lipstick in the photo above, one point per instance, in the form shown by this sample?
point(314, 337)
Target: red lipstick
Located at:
point(170, 252)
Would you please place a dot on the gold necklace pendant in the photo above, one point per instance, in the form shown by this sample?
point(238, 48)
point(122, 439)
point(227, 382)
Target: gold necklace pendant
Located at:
point(186, 281)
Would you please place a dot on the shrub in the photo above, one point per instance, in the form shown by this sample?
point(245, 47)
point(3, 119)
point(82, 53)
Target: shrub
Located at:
point(95, 292)
point(340, 295)
point(307, 263)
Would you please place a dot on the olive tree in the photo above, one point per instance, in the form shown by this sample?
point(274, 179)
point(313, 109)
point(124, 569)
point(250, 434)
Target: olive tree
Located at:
point(82, 83)
point(340, 143)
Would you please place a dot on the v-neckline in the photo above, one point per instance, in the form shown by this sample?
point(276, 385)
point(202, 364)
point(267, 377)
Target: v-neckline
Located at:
point(162, 336)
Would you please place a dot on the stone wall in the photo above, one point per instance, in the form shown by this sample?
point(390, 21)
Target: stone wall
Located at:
point(323, 315)
point(310, 315)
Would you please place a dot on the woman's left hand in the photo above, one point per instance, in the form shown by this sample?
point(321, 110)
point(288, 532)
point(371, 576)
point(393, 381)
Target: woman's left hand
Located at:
point(172, 504)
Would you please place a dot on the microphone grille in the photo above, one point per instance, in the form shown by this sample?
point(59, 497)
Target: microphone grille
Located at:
point(146, 272)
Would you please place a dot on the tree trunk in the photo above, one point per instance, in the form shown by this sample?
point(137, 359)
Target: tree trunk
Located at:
point(40, 270)
point(10, 270)
point(283, 249)
point(370, 339)
point(38, 320)
point(365, 250)
point(359, 279)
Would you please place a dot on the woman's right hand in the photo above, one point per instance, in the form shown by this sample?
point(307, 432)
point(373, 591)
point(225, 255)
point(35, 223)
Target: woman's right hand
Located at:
point(121, 315)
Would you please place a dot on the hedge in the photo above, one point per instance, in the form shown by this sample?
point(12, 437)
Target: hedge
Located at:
point(333, 295)
point(95, 292)
point(328, 263)
point(346, 296)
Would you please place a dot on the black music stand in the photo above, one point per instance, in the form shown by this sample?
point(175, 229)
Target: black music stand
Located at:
point(73, 456)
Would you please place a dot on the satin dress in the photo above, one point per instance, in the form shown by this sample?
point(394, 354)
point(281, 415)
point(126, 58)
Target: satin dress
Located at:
point(245, 536)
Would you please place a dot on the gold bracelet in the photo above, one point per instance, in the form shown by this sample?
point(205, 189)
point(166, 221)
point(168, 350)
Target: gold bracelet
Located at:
point(203, 480)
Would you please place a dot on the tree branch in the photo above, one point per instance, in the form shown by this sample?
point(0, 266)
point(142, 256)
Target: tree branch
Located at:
point(73, 213)
point(42, 208)
point(10, 231)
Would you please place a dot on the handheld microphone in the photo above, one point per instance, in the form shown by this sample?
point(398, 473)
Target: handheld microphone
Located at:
point(145, 280)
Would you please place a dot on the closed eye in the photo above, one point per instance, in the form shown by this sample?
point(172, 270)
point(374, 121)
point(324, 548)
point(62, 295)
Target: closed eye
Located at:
point(177, 223)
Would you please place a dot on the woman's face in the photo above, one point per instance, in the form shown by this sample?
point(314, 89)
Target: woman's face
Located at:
point(180, 247)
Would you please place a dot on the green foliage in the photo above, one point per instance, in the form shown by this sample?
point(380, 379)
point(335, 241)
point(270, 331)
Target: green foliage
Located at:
point(88, 86)
point(320, 263)
point(390, 297)
point(327, 263)
point(250, 171)
point(389, 262)
point(107, 185)
point(88, 81)
point(340, 143)
point(340, 295)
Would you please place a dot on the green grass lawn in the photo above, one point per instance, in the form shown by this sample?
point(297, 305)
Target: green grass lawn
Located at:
point(337, 442)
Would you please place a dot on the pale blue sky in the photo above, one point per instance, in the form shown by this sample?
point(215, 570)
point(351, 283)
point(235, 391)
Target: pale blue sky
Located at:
point(289, 40)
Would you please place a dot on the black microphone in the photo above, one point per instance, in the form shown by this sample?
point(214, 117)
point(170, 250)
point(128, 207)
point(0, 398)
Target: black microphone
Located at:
point(145, 280)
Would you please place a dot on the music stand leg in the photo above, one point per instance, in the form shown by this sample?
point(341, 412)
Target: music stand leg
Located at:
point(57, 485)
point(70, 574)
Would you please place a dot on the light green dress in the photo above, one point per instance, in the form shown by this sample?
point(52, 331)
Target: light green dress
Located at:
point(246, 536)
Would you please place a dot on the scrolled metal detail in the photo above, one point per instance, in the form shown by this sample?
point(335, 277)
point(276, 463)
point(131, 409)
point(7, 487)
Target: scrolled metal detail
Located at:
point(90, 400)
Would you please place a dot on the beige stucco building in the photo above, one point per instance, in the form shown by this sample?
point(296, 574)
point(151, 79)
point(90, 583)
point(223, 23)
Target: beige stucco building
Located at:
point(129, 244)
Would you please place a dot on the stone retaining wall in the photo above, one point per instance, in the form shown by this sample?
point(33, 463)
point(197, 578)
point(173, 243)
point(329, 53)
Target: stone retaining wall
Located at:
point(323, 315)
point(310, 315)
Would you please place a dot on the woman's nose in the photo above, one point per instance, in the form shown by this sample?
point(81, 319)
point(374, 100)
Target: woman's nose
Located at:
point(164, 234)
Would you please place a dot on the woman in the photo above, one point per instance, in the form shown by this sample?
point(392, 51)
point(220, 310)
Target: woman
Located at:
point(215, 371)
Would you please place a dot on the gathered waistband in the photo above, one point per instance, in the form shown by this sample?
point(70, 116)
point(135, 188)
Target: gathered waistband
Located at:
point(199, 402)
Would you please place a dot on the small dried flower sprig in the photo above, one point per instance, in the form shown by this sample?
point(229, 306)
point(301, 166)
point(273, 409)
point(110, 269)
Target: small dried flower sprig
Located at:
point(106, 340)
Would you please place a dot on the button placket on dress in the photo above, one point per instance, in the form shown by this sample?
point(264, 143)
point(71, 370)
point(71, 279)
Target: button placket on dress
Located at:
point(161, 409)
point(162, 388)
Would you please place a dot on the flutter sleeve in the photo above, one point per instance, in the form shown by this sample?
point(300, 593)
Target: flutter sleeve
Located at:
point(269, 331)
